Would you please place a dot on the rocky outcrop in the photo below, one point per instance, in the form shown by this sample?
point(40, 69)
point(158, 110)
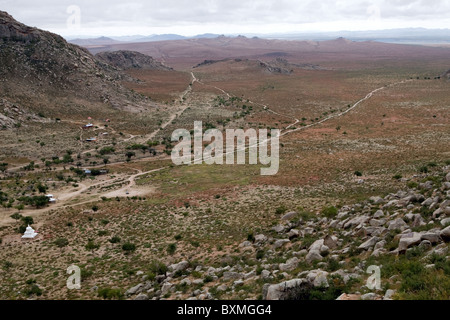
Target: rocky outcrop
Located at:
point(130, 60)
point(36, 63)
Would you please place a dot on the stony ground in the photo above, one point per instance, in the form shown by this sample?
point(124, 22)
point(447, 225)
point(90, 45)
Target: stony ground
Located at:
point(405, 235)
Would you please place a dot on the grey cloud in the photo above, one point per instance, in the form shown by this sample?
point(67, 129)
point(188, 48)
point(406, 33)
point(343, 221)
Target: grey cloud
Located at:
point(166, 13)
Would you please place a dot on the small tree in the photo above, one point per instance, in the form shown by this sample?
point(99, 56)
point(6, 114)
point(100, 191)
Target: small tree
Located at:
point(130, 154)
point(3, 166)
point(28, 220)
point(128, 247)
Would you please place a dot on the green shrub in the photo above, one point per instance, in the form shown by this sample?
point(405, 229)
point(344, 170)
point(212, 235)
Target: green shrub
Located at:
point(158, 267)
point(61, 242)
point(27, 220)
point(280, 210)
point(260, 254)
point(114, 239)
point(178, 237)
point(423, 169)
point(92, 246)
point(171, 248)
point(128, 247)
point(330, 212)
point(33, 290)
point(108, 293)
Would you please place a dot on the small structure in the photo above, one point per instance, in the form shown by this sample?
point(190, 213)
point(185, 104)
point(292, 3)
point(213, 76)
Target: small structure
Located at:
point(91, 139)
point(29, 233)
point(88, 126)
point(87, 171)
point(51, 198)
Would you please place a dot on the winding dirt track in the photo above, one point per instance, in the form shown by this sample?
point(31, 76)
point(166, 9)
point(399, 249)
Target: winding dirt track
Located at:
point(66, 197)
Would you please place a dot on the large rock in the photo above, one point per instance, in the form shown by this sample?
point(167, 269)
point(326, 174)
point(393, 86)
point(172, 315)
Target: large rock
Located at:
point(318, 278)
point(445, 222)
point(389, 294)
point(289, 216)
point(166, 288)
point(316, 245)
point(398, 224)
point(445, 234)
point(369, 244)
point(447, 177)
point(229, 275)
point(260, 239)
point(356, 222)
point(378, 214)
point(279, 228)
point(409, 240)
point(134, 290)
point(279, 243)
point(376, 200)
point(294, 233)
point(291, 264)
point(313, 255)
point(181, 266)
point(433, 237)
point(330, 241)
point(287, 290)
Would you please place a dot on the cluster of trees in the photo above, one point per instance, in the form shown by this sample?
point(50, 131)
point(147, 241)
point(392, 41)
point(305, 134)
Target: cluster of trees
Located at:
point(37, 201)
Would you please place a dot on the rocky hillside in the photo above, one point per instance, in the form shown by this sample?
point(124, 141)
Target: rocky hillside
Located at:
point(12, 115)
point(332, 254)
point(39, 66)
point(277, 66)
point(130, 60)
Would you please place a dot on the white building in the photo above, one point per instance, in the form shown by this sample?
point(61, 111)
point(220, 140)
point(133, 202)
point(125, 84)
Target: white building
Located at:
point(29, 233)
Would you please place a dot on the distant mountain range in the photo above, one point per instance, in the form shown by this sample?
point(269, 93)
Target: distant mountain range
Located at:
point(137, 38)
point(410, 35)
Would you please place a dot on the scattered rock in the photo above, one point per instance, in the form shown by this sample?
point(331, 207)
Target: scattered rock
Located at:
point(408, 240)
point(260, 239)
point(166, 288)
point(431, 236)
point(141, 297)
point(279, 243)
point(389, 294)
point(312, 256)
point(369, 244)
point(229, 275)
point(290, 264)
point(286, 290)
point(445, 234)
point(330, 242)
point(181, 266)
point(398, 224)
point(134, 290)
point(289, 216)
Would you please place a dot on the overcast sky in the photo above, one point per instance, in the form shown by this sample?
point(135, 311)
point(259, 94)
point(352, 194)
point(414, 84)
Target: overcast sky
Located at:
point(190, 17)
